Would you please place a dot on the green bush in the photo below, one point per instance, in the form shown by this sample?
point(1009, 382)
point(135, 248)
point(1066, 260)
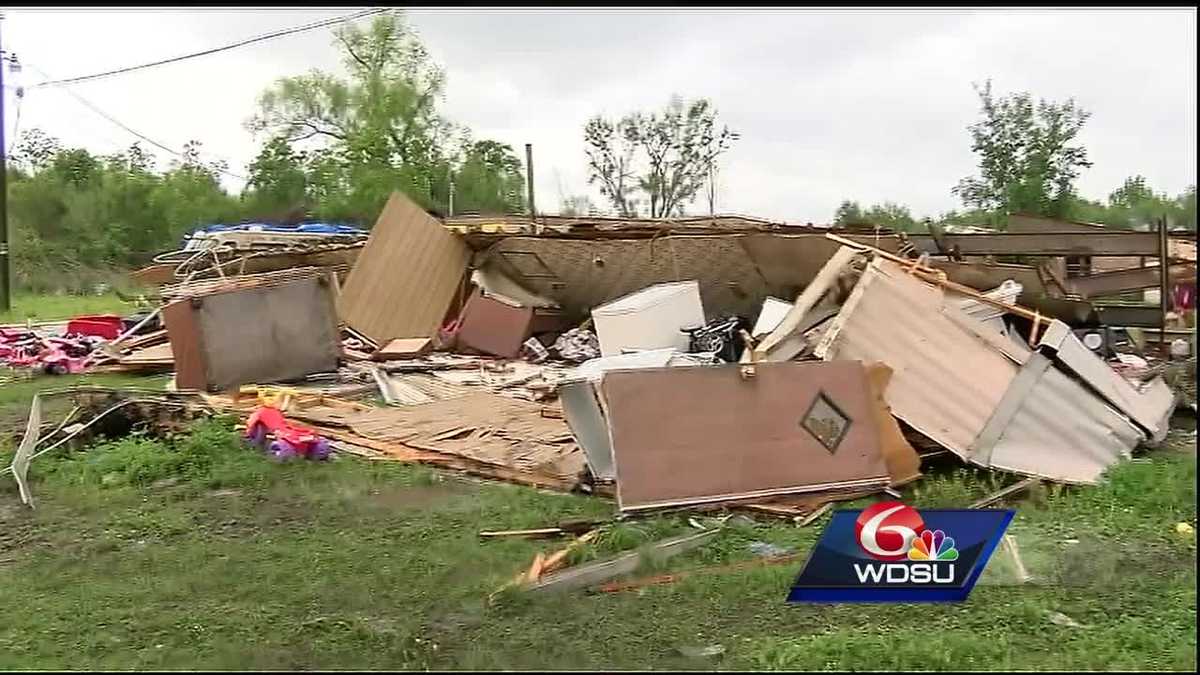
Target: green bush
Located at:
point(212, 455)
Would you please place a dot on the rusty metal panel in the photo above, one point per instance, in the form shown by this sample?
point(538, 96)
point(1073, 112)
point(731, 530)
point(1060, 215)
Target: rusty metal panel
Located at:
point(982, 277)
point(946, 380)
point(406, 277)
point(1107, 283)
point(706, 434)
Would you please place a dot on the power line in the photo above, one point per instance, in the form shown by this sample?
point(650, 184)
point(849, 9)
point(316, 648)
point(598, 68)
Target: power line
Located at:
point(121, 124)
point(269, 36)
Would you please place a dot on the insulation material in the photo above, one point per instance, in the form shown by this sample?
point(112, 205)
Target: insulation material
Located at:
point(899, 320)
point(1050, 426)
point(697, 435)
point(1150, 410)
point(407, 276)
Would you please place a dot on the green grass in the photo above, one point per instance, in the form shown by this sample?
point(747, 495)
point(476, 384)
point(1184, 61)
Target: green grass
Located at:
point(54, 307)
point(194, 552)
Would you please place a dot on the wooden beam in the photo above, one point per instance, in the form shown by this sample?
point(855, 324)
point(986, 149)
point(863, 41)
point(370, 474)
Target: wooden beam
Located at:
point(1094, 244)
point(1010, 490)
point(1107, 283)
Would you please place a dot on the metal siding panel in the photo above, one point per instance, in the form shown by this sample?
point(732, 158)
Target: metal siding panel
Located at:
point(1147, 410)
point(1063, 433)
point(586, 420)
point(946, 381)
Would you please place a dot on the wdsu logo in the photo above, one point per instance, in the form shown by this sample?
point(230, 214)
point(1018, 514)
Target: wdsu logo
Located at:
point(890, 552)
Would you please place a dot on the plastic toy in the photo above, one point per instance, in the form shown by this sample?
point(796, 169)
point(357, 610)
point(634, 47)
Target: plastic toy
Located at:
point(289, 440)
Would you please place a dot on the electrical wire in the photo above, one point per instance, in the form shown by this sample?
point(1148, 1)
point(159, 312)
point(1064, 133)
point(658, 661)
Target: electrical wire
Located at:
point(269, 36)
point(140, 135)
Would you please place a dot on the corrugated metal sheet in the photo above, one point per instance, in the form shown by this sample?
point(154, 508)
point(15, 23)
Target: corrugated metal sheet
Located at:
point(1062, 432)
point(946, 380)
point(1151, 410)
point(989, 400)
point(406, 277)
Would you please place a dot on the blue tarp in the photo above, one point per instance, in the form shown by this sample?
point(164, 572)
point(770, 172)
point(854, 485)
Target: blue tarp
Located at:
point(310, 227)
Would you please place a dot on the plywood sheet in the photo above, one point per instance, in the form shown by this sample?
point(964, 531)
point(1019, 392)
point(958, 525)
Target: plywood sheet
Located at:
point(705, 434)
point(406, 277)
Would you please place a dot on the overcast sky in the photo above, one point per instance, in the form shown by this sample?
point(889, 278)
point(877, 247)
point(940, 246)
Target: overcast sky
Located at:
point(870, 105)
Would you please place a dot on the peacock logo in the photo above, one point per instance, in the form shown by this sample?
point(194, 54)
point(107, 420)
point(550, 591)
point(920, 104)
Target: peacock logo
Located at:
point(933, 545)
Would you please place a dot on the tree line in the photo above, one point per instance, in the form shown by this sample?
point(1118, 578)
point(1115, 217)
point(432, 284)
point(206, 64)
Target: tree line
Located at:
point(1029, 160)
point(335, 146)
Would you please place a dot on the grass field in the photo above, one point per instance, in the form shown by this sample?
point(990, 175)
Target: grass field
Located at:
point(54, 307)
point(195, 553)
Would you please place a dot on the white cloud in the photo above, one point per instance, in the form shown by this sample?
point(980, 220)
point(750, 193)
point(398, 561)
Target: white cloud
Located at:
point(870, 105)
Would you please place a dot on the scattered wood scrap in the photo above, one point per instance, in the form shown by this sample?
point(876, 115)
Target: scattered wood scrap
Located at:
point(1006, 492)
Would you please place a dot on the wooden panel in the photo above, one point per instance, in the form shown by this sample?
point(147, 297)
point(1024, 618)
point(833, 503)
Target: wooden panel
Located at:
point(406, 277)
point(186, 345)
point(695, 435)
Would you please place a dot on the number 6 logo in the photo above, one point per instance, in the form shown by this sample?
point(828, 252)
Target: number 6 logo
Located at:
point(886, 530)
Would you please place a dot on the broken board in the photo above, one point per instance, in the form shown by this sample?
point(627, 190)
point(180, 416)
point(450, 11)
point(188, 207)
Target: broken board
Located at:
point(406, 277)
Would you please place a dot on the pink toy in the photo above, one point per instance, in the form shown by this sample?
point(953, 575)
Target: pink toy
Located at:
point(290, 440)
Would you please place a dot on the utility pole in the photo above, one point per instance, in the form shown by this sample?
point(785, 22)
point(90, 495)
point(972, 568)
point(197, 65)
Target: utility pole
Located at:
point(5, 289)
point(529, 177)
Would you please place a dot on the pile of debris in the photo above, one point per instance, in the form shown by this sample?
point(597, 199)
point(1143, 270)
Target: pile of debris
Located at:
point(703, 364)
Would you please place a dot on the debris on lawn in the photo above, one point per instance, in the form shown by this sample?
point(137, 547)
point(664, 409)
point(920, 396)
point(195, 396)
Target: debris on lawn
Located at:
point(1060, 619)
point(699, 364)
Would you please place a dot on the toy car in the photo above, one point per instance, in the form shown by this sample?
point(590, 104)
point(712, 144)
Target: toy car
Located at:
point(289, 440)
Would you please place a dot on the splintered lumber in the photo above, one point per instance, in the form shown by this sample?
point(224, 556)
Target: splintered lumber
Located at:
point(805, 302)
point(1010, 490)
point(661, 579)
point(583, 576)
point(930, 275)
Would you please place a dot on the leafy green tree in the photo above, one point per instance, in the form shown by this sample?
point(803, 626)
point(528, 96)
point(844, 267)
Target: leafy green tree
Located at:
point(278, 183)
point(678, 149)
point(1028, 155)
point(849, 213)
point(490, 179)
point(887, 214)
point(380, 124)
